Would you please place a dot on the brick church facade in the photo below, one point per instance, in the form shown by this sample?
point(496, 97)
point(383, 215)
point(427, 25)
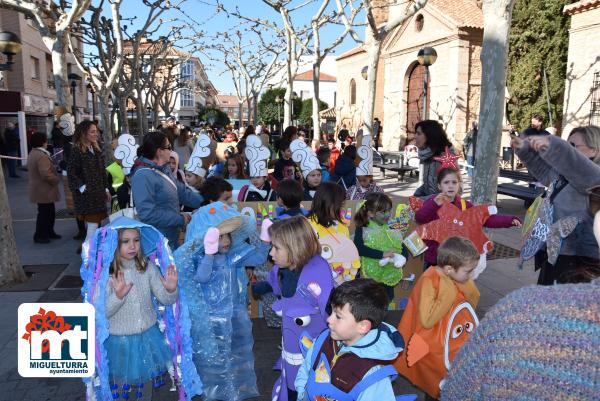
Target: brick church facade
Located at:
point(454, 28)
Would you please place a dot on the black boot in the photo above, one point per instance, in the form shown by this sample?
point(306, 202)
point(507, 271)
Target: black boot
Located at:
point(82, 231)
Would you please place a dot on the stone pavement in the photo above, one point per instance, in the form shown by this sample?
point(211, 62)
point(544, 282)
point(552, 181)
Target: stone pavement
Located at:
point(500, 278)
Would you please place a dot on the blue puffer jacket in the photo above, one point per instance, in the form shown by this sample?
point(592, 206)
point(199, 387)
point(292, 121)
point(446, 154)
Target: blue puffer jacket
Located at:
point(157, 198)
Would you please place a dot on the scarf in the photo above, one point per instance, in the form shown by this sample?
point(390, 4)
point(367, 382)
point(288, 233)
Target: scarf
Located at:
point(425, 154)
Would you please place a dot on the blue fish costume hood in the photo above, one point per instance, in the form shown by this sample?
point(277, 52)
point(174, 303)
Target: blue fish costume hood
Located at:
point(97, 256)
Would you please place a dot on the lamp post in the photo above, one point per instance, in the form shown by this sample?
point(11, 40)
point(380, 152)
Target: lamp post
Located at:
point(426, 57)
point(73, 78)
point(92, 91)
point(279, 101)
point(294, 97)
point(10, 44)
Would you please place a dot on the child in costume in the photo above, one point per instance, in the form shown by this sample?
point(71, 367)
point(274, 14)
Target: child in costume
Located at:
point(258, 156)
point(174, 163)
point(440, 316)
point(303, 294)
point(352, 359)
point(309, 165)
point(364, 172)
point(235, 167)
point(449, 181)
point(195, 171)
point(212, 263)
point(380, 247)
point(289, 198)
point(285, 168)
point(142, 321)
point(216, 189)
point(326, 218)
point(324, 156)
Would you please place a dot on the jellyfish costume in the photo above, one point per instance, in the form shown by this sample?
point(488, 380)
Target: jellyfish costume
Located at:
point(173, 323)
point(217, 285)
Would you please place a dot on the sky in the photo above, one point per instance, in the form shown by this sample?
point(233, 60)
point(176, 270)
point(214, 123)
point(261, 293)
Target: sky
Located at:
point(202, 14)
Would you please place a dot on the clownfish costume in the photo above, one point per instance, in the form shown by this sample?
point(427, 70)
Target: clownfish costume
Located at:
point(438, 320)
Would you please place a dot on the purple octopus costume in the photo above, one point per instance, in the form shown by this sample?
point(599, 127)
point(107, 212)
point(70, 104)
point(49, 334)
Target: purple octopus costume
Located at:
point(304, 313)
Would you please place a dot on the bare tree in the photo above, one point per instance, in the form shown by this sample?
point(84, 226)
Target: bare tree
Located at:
point(103, 66)
point(296, 40)
point(10, 264)
point(497, 16)
point(378, 34)
point(54, 21)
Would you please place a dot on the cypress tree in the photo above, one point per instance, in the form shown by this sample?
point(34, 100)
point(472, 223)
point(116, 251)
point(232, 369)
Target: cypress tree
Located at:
point(539, 40)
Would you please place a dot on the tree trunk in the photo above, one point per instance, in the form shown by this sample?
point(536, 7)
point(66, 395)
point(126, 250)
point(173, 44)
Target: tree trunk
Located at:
point(369, 107)
point(123, 116)
point(59, 69)
point(287, 110)
point(141, 116)
point(497, 18)
point(105, 124)
point(249, 104)
point(315, 101)
point(255, 107)
point(240, 114)
point(10, 264)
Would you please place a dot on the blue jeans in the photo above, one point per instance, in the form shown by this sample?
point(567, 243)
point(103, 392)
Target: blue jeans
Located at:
point(12, 163)
point(470, 160)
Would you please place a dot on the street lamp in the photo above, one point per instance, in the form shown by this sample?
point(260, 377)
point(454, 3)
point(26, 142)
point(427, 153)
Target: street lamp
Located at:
point(90, 88)
point(73, 78)
point(426, 57)
point(364, 72)
point(279, 101)
point(10, 44)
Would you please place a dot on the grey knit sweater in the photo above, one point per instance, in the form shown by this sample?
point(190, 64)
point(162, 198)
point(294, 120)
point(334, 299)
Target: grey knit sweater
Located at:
point(135, 313)
point(581, 173)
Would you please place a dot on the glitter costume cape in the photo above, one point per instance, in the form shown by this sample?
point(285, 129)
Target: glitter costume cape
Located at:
point(173, 320)
point(430, 351)
point(382, 238)
point(222, 333)
point(338, 250)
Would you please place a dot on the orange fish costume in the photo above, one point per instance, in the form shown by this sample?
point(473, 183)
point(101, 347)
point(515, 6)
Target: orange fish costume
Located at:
point(438, 320)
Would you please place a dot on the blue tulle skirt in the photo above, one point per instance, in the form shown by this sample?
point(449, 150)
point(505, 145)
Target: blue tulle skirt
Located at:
point(137, 358)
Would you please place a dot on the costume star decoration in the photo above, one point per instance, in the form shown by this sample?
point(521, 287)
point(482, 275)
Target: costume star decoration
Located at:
point(455, 222)
point(448, 160)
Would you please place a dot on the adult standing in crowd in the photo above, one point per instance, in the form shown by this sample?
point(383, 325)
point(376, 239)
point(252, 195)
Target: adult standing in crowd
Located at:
point(43, 188)
point(431, 139)
point(568, 168)
point(12, 143)
point(536, 128)
point(184, 146)
point(376, 132)
point(157, 194)
point(87, 177)
point(469, 146)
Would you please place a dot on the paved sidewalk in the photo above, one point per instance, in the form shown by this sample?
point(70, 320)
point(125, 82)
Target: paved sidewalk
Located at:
point(500, 278)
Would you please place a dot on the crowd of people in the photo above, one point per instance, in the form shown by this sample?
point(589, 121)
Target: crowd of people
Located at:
point(190, 247)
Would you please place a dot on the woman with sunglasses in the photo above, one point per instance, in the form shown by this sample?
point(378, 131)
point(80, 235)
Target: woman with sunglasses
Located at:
point(157, 194)
point(568, 168)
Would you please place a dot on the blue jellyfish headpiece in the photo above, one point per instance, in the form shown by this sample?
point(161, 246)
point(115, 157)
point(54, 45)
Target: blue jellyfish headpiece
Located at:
point(97, 256)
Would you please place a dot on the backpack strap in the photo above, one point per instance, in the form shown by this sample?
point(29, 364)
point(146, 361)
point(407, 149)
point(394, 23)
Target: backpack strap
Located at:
point(380, 374)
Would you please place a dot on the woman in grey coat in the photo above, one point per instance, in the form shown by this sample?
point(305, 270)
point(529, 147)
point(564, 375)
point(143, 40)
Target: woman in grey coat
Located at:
point(431, 139)
point(568, 168)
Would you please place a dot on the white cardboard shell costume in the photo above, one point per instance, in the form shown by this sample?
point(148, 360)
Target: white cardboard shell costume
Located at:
point(202, 150)
point(304, 156)
point(258, 155)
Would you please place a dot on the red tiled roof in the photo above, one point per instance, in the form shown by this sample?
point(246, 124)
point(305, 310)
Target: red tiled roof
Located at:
point(308, 76)
point(465, 13)
point(581, 6)
point(351, 52)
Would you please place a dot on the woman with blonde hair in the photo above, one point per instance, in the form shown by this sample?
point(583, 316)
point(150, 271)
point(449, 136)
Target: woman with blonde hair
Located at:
point(568, 168)
point(87, 177)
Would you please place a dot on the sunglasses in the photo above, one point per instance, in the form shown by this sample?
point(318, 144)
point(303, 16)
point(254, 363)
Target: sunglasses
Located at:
point(594, 200)
point(168, 147)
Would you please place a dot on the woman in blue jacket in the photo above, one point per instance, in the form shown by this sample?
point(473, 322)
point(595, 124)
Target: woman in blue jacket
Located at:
point(157, 194)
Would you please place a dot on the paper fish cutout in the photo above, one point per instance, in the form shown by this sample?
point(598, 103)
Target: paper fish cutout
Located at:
point(455, 222)
point(341, 254)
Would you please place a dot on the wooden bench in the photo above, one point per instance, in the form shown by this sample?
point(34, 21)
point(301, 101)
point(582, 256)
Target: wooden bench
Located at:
point(527, 193)
point(400, 169)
